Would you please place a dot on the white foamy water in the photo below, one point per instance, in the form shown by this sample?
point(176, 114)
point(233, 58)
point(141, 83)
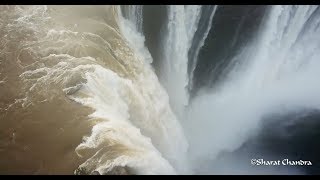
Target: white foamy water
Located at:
point(130, 106)
point(99, 65)
point(278, 74)
point(94, 59)
point(181, 26)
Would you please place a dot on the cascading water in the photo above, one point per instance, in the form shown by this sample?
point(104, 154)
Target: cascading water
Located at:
point(274, 76)
point(80, 94)
point(202, 31)
point(181, 27)
point(134, 14)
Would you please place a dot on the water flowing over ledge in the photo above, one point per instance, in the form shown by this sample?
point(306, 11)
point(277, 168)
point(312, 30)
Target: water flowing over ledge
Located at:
point(83, 92)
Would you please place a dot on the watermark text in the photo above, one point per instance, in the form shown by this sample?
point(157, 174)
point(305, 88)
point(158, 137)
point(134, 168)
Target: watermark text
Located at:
point(280, 162)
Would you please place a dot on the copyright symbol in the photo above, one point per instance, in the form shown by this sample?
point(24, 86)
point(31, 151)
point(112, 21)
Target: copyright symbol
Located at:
point(253, 161)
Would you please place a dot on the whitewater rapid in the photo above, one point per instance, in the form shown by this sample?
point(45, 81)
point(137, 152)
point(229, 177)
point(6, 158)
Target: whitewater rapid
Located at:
point(136, 115)
point(87, 59)
point(80, 93)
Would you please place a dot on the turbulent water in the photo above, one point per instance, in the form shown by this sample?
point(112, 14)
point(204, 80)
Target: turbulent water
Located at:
point(196, 90)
